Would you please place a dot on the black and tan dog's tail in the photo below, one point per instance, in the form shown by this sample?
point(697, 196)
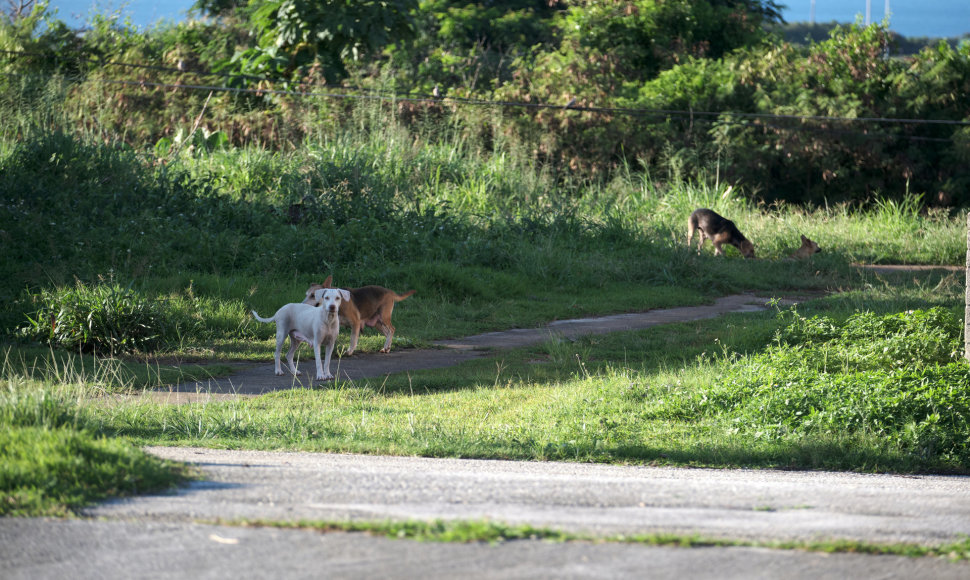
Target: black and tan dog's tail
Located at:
point(692, 226)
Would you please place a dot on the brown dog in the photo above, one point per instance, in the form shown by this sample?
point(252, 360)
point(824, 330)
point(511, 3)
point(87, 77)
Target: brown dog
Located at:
point(719, 230)
point(368, 306)
point(808, 248)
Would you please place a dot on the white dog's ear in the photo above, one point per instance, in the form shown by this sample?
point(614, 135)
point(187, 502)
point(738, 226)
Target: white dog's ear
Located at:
point(345, 294)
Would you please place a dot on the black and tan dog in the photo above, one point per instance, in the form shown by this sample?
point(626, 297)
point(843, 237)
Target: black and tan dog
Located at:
point(719, 230)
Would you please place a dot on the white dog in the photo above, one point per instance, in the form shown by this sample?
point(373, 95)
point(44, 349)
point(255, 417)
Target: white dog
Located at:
point(305, 323)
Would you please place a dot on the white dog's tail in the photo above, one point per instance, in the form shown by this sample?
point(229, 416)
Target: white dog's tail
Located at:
point(261, 319)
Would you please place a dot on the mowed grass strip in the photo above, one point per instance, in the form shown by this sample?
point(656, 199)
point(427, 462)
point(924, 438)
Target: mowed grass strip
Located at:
point(465, 531)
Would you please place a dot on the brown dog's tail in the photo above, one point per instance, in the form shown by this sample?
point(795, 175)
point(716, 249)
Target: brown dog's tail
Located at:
point(399, 297)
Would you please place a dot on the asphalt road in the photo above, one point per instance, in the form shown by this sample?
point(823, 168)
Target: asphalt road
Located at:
point(84, 549)
point(160, 536)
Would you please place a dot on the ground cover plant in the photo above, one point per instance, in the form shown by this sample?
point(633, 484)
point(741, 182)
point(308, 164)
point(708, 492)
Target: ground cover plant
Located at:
point(743, 390)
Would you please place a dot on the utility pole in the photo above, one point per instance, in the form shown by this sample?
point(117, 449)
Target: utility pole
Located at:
point(811, 12)
point(868, 12)
point(966, 312)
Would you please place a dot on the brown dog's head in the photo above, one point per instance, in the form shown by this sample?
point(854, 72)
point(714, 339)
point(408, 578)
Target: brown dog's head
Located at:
point(311, 293)
point(808, 248)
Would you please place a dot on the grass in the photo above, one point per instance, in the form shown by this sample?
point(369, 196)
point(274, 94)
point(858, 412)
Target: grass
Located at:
point(490, 532)
point(54, 472)
point(102, 374)
point(633, 397)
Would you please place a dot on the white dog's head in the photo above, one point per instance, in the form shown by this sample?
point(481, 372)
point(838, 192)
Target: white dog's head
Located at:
point(314, 289)
point(330, 298)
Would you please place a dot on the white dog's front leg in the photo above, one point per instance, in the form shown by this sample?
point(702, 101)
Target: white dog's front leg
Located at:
point(316, 355)
point(323, 370)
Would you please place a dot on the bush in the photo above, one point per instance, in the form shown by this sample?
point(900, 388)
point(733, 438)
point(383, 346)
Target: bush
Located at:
point(104, 318)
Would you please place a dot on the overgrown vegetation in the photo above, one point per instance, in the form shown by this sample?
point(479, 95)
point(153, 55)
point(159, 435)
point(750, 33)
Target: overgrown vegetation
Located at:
point(106, 319)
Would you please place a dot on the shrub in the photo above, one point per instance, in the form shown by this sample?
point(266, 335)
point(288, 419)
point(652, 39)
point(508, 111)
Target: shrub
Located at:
point(101, 318)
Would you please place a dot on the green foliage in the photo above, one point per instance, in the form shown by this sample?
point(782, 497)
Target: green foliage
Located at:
point(105, 319)
point(48, 44)
point(688, 90)
point(203, 141)
point(503, 25)
point(849, 75)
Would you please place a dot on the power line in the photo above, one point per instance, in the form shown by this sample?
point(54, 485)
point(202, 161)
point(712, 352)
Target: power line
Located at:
point(478, 102)
point(666, 113)
point(657, 115)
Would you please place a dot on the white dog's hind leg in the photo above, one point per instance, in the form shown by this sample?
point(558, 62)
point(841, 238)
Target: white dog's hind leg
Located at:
point(294, 344)
point(280, 337)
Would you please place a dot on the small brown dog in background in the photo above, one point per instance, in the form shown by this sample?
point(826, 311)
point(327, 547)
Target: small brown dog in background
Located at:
point(368, 306)
point(807, 250)
point(719, 230)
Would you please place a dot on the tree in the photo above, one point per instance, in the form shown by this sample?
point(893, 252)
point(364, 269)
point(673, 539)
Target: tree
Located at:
point(294, 35)
point(17, 9)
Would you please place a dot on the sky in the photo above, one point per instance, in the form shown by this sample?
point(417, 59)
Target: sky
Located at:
point(935, 18)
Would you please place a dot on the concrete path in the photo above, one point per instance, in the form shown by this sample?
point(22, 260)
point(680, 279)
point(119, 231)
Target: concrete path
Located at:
point(595, 499)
